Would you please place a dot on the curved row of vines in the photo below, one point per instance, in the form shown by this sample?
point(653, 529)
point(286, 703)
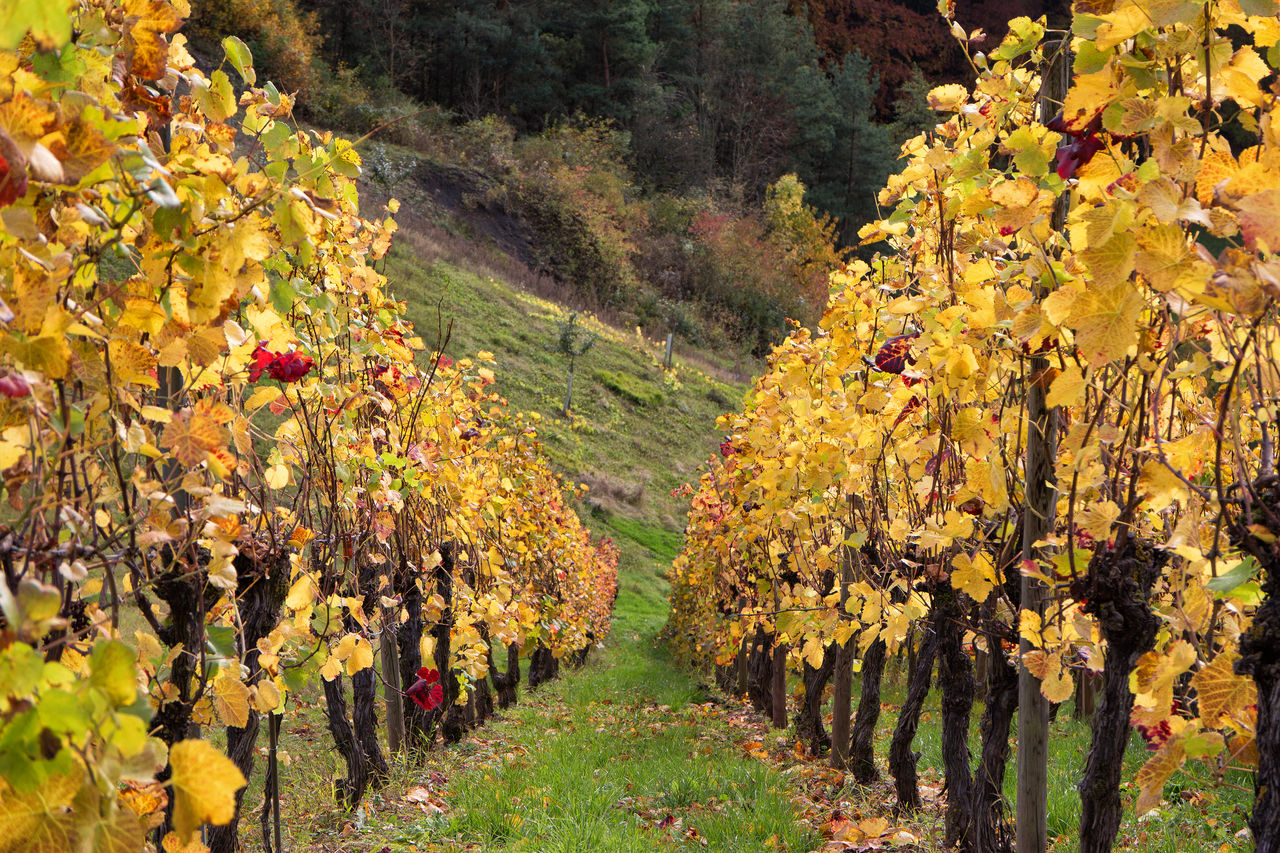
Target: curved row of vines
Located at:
point(230, 468)
point(1034, 439)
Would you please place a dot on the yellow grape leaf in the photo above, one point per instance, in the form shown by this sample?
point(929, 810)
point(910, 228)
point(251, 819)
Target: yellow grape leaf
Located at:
point(145, 45)
point(1160, 486)
point(277, 476)
point(1156, 772)
point(266, 696)
point(114, 672)
point(1096, 519)
point(132, 363)
point(1089, 95)
point(47, 354)
point(1067, 388)
point(356, 651)
point(204, 786)
point(948, 98)
point(974, 576)
point(143, 799)
point(81, 148)
point(1220, 691)
point(191, 436)
point(302, 594)
point(230, 699)
point(172, 844)
point(1057, 686)
point(261, 396)
point(39, 822)
point(1164, 198)
point(145, 315)
point(1111, 262)
point(1105, 322)
point(331, 669)
point(1156, 670)
point(1216, 167)
point(1017, 193)
point(1259, 216)
point(812, 652)
point(1037, 662)
point(1030, 627)
point(48, 22)
point(1163, 256)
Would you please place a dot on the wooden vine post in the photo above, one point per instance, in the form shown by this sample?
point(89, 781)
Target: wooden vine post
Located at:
point(842, 685)
point(1038, 509)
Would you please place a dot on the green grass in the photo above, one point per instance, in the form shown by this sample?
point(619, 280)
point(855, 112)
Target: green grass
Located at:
point(662, 544)
point(630, 388)
point(618, 756)
point(637, 432)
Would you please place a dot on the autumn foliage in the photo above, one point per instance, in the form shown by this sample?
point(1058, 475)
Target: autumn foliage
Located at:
point(216, 424)
point(1117, 254)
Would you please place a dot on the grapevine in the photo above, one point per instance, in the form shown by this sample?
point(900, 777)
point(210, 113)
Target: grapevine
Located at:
point(1114, 253)
point(216, 424)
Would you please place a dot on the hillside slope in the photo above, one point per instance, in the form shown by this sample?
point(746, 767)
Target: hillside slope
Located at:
point(636, 431)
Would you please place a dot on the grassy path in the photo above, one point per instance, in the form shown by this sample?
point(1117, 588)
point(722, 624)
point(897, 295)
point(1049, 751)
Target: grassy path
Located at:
point(627, 754)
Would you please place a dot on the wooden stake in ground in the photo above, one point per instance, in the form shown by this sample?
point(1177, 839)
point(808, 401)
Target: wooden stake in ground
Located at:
point(1038, 508)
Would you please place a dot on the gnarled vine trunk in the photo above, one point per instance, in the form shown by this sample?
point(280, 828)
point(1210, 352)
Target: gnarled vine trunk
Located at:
point(543, 666)
point(348, 791)
point(505, 683)
point(260, 592)
point(955, 680)
point(809, 726)
point(862, 756)
point(409, 646)
point(902, 761)
point(759, 678)
point(1118, 595)
point(1260, 657)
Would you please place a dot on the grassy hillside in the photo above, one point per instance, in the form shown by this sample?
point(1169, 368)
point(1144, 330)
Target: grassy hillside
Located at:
point(636, 431)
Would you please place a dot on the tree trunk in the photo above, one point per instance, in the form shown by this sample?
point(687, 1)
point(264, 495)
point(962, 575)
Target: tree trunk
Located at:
point(409, 645)
point(841, 700)
point(902, 761)
point(1260, 656)
point(505, 683)
point(809, 727)
point(991, 832)
point(1120, 581)
point(364, 688)
point(449, 714)
point(484, 701)
point(955, 680)
point(1265, 820)
point(347, 791)
point(543, 666)
point(364, 696)
point(182, 587)
point(260, 592)
point(759, 681)
point(862, 756)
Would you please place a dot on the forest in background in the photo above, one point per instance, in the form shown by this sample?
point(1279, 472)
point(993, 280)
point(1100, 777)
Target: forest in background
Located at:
point(646, 142)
